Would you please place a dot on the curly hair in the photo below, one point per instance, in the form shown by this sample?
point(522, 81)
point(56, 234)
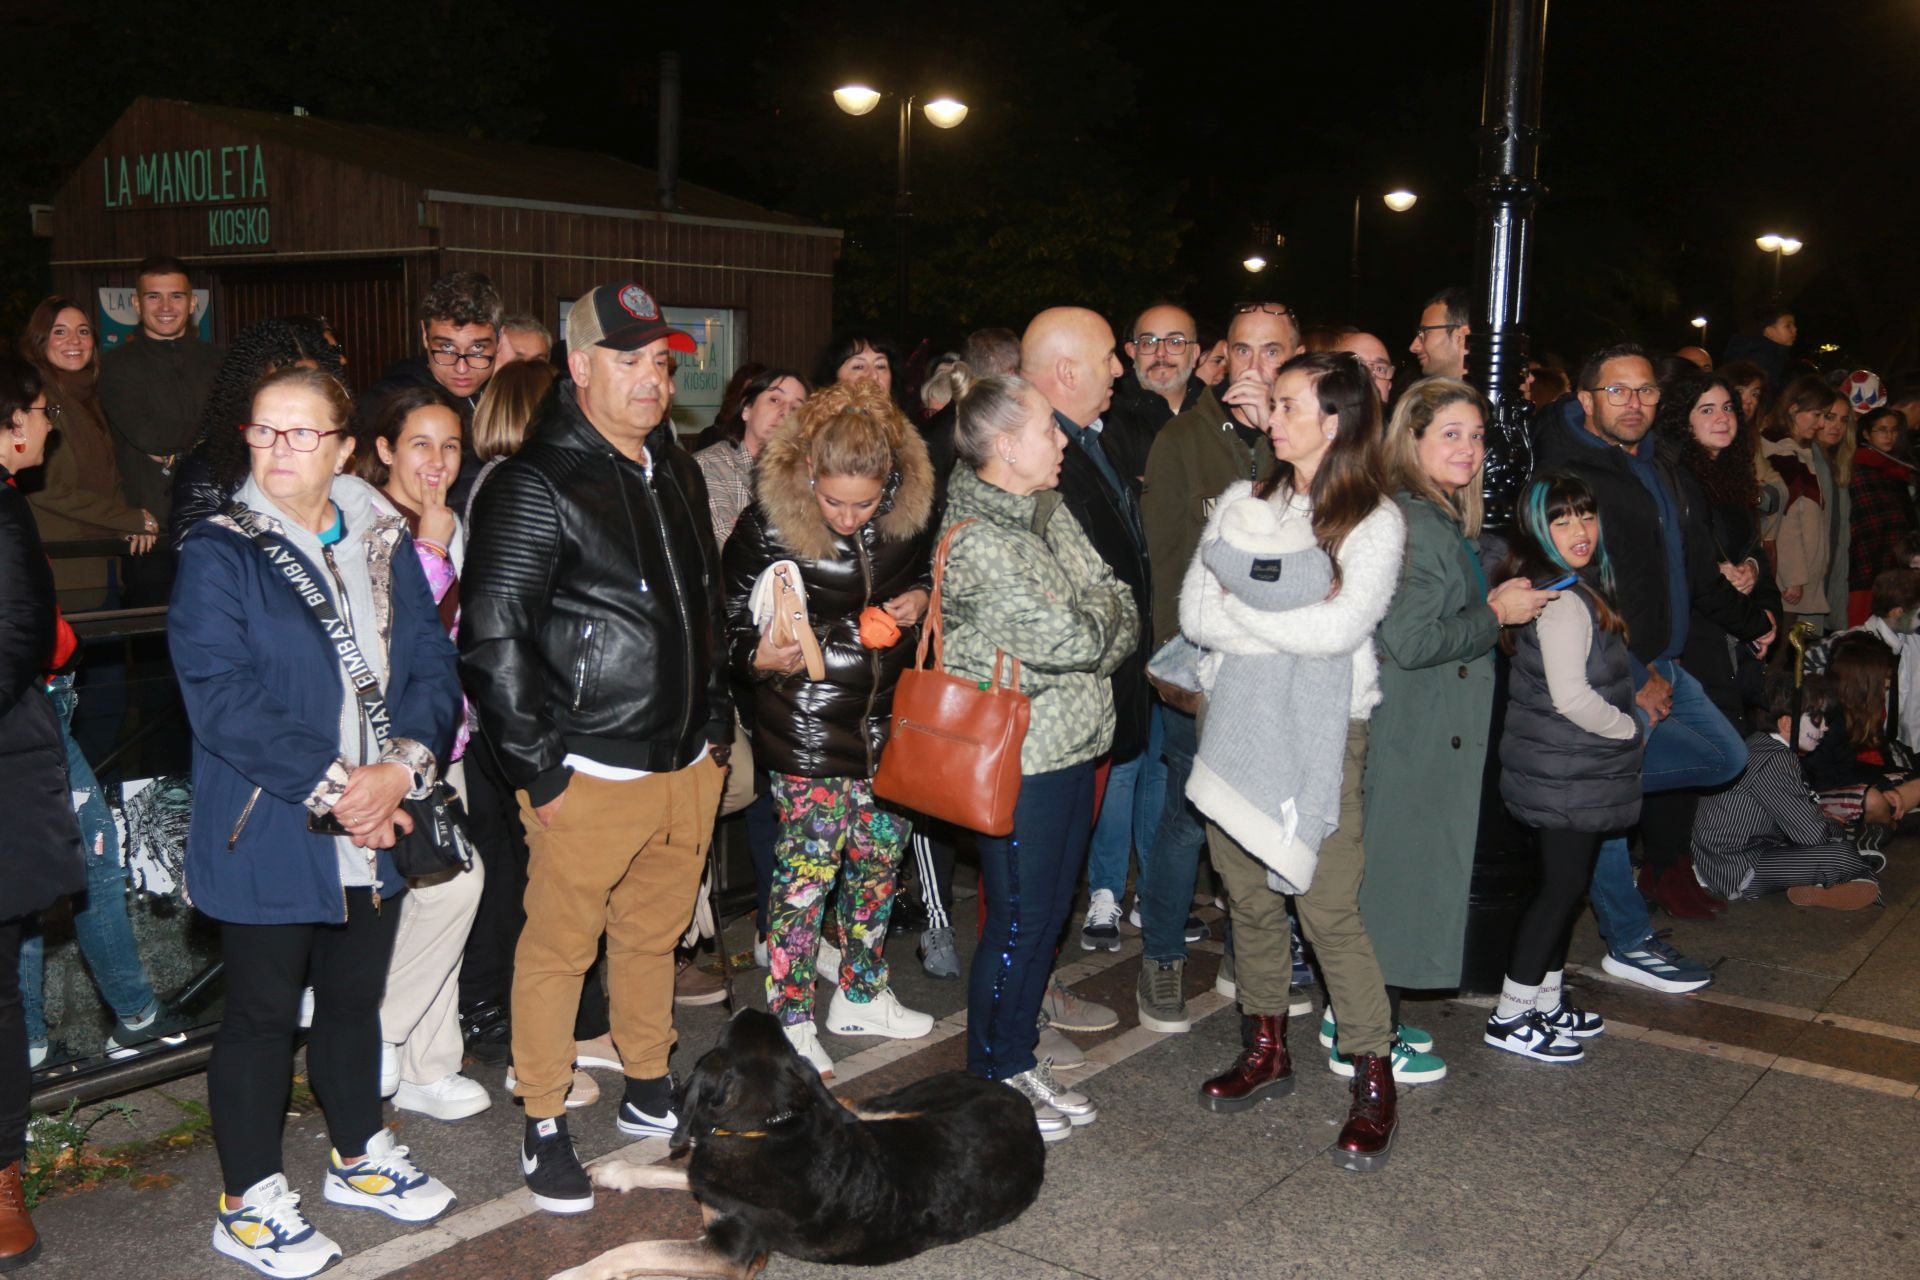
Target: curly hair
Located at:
point(1728, 480)
point(259, 351)
point(462, 298)
point(852, 429)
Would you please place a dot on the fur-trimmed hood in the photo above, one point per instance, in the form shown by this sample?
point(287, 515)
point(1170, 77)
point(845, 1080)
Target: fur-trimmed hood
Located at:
point(784, 493)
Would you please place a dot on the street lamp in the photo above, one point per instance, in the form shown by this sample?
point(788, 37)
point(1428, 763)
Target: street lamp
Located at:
point(943, 112)
point(1700, 323)
point(1780, 247)
point(1254, 262)
point(1399, 200)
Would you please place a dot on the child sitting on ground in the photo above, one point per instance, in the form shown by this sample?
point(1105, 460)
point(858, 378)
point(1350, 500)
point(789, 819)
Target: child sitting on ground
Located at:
point(1766, 832)
point(1896, 602)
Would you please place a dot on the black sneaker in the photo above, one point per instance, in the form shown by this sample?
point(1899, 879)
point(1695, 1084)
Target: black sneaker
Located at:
point(1529, 1036)
point(638, 1117)
point(487, 1033)
point(1570, 1020)
point(130, 1038)
point(552, 1168)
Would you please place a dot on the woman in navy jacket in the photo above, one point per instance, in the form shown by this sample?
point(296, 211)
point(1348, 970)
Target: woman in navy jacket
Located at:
point(281, 742)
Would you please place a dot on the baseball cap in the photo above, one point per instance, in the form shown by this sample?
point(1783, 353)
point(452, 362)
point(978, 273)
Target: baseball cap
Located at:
point(621, 317)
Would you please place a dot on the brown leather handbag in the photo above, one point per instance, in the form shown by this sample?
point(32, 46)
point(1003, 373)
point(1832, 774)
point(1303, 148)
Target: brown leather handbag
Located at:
point(954, 752)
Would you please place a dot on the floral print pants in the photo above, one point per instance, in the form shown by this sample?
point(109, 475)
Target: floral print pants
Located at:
point(829, 827)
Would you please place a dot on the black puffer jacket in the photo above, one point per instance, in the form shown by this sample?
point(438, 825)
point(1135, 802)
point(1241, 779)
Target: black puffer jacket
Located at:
point(1554, 775)
point(40, 860)
point(590, 608)
point(832, 728)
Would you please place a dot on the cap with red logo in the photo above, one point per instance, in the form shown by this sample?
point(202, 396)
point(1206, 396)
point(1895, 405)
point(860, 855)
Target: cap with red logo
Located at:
point(621, 317)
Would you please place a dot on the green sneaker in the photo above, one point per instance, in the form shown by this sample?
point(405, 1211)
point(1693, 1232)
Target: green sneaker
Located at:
point(1413, 1037)
point(1410, 1065)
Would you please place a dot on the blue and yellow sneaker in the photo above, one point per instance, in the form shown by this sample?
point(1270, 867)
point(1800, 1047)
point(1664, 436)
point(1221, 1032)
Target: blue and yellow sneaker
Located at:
point(270, 1234)
point(386, 1180)
point(1413, 1037)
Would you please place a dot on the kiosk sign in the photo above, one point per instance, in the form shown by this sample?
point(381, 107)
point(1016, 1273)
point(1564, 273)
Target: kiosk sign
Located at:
point(233, 179)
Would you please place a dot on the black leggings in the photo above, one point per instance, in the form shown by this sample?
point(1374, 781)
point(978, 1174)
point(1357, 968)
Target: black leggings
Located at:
point(1540, 943)
point(16, 1081)
point(251, 1072)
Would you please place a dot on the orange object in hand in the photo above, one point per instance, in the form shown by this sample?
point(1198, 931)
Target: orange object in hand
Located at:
point(878, 630)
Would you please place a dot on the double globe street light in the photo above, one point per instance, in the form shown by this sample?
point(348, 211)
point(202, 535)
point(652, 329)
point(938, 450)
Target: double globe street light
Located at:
point(1780, 247)
point(943, 112)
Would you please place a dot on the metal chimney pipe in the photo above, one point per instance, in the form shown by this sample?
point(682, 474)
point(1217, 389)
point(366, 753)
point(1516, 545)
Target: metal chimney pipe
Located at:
point(1508, 189)
point(669, 167)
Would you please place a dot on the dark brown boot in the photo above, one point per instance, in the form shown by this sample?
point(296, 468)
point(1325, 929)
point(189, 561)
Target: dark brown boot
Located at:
point(1372, 1118)
point(1262, 1070)
point(19, 1242)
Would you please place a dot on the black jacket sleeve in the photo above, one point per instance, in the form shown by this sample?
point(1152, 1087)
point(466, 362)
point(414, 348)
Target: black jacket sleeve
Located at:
point(714, 600)
point(505, 593)
point(26, 602)
point(1742, 616)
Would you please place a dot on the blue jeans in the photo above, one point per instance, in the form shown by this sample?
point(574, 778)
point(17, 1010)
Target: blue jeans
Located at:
point(1695, 746)
point(1027, 883)
point(1130, 811)
point(100, 921)
point(1167, 872)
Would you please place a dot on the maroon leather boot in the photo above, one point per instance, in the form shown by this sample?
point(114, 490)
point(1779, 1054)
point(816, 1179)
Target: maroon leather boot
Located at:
point(1371, 1120)
point(1262, 1070)
point(19, 1242)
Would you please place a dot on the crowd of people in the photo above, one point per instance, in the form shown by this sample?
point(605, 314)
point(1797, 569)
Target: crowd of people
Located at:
point(1241, 578)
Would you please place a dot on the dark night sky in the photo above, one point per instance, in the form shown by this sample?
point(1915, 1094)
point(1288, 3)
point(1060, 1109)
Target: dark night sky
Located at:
point(1116, 152)
point(1676, 133)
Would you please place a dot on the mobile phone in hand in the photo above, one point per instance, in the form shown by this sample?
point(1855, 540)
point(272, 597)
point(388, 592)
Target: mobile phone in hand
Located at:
point(1562, 584)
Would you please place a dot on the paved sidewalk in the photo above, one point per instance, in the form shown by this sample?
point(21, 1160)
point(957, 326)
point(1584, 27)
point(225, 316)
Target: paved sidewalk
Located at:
point(1766, 1128)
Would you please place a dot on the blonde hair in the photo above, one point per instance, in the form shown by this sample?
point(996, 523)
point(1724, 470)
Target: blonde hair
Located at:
point(507, 407)
point(852, 429)
point(1413, 413)
point(986, 409)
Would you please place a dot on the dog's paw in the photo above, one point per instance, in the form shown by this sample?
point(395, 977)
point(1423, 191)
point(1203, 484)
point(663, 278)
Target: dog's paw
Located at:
point(624, 1175)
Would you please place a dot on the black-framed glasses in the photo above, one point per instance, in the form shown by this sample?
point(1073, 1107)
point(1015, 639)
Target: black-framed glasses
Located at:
point(299, 439)
point(1422, 331)
point(1264, 308)
point(50, 409)
point(449, 356)
point(1173, 342)
point(1619, 393)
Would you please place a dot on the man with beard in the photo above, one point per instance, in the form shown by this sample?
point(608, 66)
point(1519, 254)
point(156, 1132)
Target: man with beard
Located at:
point(1162, 348)
point(1664, 570)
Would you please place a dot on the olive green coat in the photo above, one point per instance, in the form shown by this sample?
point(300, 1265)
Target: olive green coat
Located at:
point(1426, 752)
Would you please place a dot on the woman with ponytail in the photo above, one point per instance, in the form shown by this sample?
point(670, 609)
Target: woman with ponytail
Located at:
point(844, 491)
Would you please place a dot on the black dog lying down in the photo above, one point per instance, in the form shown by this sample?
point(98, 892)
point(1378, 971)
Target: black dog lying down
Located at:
point(780, 1165)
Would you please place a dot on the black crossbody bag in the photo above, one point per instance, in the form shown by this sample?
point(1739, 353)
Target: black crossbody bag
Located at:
point(438, 843)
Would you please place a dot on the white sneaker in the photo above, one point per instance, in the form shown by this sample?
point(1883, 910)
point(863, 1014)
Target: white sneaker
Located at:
point(760, 951)
point(270, 1234)
point(386, 1180)
point(1101, 929)
point(389, 1069)
point(805, 1039)
point(583, 1092)
point(1039, 1085)
point(883, 1015)
point(826, 963)
point(452, 1097)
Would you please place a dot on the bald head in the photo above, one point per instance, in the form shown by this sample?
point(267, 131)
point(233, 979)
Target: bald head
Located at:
point(1373, 354)
point(1067, 353)
point(1695, 356)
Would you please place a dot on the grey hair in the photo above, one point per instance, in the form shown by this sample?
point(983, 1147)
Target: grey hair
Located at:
point(986, 409)
point(522, 322)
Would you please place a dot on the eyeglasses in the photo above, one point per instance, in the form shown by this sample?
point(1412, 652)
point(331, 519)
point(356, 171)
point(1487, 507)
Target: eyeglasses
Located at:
point(1174, 342)
point(1265, 309)
point(447, 355)
point(1378, 368)
point(1422, 331)
point(1619, 393)
point(51, 410)
point(299, 439)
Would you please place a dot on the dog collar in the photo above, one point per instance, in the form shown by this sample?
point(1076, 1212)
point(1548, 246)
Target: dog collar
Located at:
point(769, 1123)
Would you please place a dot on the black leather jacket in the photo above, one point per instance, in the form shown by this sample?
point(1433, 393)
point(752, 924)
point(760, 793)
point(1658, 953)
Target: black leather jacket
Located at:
point(590, 607)
point(836, 727)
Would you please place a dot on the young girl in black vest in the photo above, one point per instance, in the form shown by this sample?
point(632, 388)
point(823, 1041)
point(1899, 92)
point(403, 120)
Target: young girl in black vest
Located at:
point(1569, 756)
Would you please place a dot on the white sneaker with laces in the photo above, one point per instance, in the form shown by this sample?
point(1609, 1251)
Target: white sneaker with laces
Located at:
point(270, 1234)
point(1101, 929)
point(805, 1039)
point(883, 1015)
point(452, 1097)
point(385, 1179)
point(389, 1069)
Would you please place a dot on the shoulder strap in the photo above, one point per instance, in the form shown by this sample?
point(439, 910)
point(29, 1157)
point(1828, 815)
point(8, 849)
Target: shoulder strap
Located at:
point(933, 630)
point(353, 664)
